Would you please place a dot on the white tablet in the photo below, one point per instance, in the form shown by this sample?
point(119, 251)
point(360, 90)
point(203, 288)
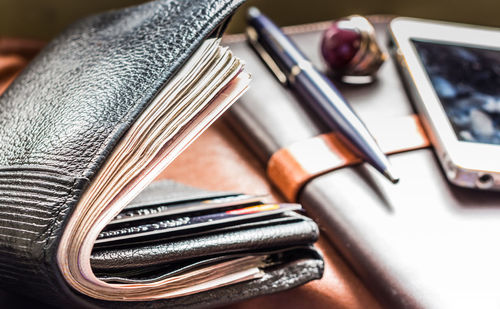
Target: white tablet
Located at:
point(452, 73)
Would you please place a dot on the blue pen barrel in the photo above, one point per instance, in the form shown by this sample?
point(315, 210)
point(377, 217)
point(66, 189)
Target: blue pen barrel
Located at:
point(316, 90)
point(271, 38)
point(338, 116)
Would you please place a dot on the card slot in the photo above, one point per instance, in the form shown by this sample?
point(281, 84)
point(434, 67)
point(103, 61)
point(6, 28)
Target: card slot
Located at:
point(283, 219)
point(180, 200)
point(302, 232)
point(193, 221)
point(171, 209)
point(172, 216)
point(272, 257)
point(150, 274)
point(171, 192)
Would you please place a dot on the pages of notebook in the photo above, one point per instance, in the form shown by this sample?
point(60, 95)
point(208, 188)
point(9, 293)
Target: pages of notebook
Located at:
point(208, 84)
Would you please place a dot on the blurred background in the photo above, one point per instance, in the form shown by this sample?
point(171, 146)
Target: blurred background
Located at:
point(44, 18)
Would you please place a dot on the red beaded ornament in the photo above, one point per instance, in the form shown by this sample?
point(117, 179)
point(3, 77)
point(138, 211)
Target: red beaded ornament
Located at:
point(349, 48)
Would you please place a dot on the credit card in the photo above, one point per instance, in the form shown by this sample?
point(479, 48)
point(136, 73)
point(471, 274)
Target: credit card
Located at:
point(265, 221)
point(187, 207)
point(186, 222)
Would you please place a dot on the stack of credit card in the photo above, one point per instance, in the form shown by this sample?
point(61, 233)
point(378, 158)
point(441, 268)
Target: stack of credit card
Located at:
point(138, 223)
point(180, 238)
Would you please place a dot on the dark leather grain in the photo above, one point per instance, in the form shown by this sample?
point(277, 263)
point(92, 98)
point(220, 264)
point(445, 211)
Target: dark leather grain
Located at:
point(62, 117)
point(66, 111)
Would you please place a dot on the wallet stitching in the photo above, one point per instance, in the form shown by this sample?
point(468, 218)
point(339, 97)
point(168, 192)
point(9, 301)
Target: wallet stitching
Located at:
point(60, 206)
point(34, 168)
point(59, 217)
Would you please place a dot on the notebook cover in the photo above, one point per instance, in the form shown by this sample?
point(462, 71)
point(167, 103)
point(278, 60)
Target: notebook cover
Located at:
point(420, 244)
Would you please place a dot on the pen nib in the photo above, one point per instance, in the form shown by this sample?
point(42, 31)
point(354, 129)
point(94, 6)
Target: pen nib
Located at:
point(391, 176)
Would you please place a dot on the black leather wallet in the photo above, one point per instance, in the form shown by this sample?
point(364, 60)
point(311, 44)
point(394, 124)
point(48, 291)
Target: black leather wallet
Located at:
point(88, 124)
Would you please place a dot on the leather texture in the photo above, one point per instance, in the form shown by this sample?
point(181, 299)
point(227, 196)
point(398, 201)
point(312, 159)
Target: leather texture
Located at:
point(62, 117)
point(66, 111)
point(422, 243)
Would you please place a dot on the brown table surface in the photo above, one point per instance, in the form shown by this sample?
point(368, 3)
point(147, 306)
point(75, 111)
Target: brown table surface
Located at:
point(219, 160)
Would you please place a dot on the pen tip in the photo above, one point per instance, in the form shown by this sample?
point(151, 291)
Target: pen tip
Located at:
point(253, 12)
point(391, 176)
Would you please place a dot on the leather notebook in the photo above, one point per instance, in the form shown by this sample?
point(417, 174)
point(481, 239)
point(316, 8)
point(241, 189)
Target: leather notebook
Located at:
point(422, 243)
point(84, 129)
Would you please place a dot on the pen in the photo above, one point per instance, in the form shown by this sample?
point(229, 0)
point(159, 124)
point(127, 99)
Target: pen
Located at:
point(292, 68)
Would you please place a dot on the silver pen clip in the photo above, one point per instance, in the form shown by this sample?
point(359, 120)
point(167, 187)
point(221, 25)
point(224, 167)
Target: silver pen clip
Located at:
point(253, 38)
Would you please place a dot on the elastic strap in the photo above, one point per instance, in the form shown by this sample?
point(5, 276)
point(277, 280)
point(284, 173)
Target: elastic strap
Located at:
point(290, 168)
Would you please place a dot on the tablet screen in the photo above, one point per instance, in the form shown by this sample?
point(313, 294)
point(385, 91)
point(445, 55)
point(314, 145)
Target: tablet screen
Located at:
point(467, 81)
